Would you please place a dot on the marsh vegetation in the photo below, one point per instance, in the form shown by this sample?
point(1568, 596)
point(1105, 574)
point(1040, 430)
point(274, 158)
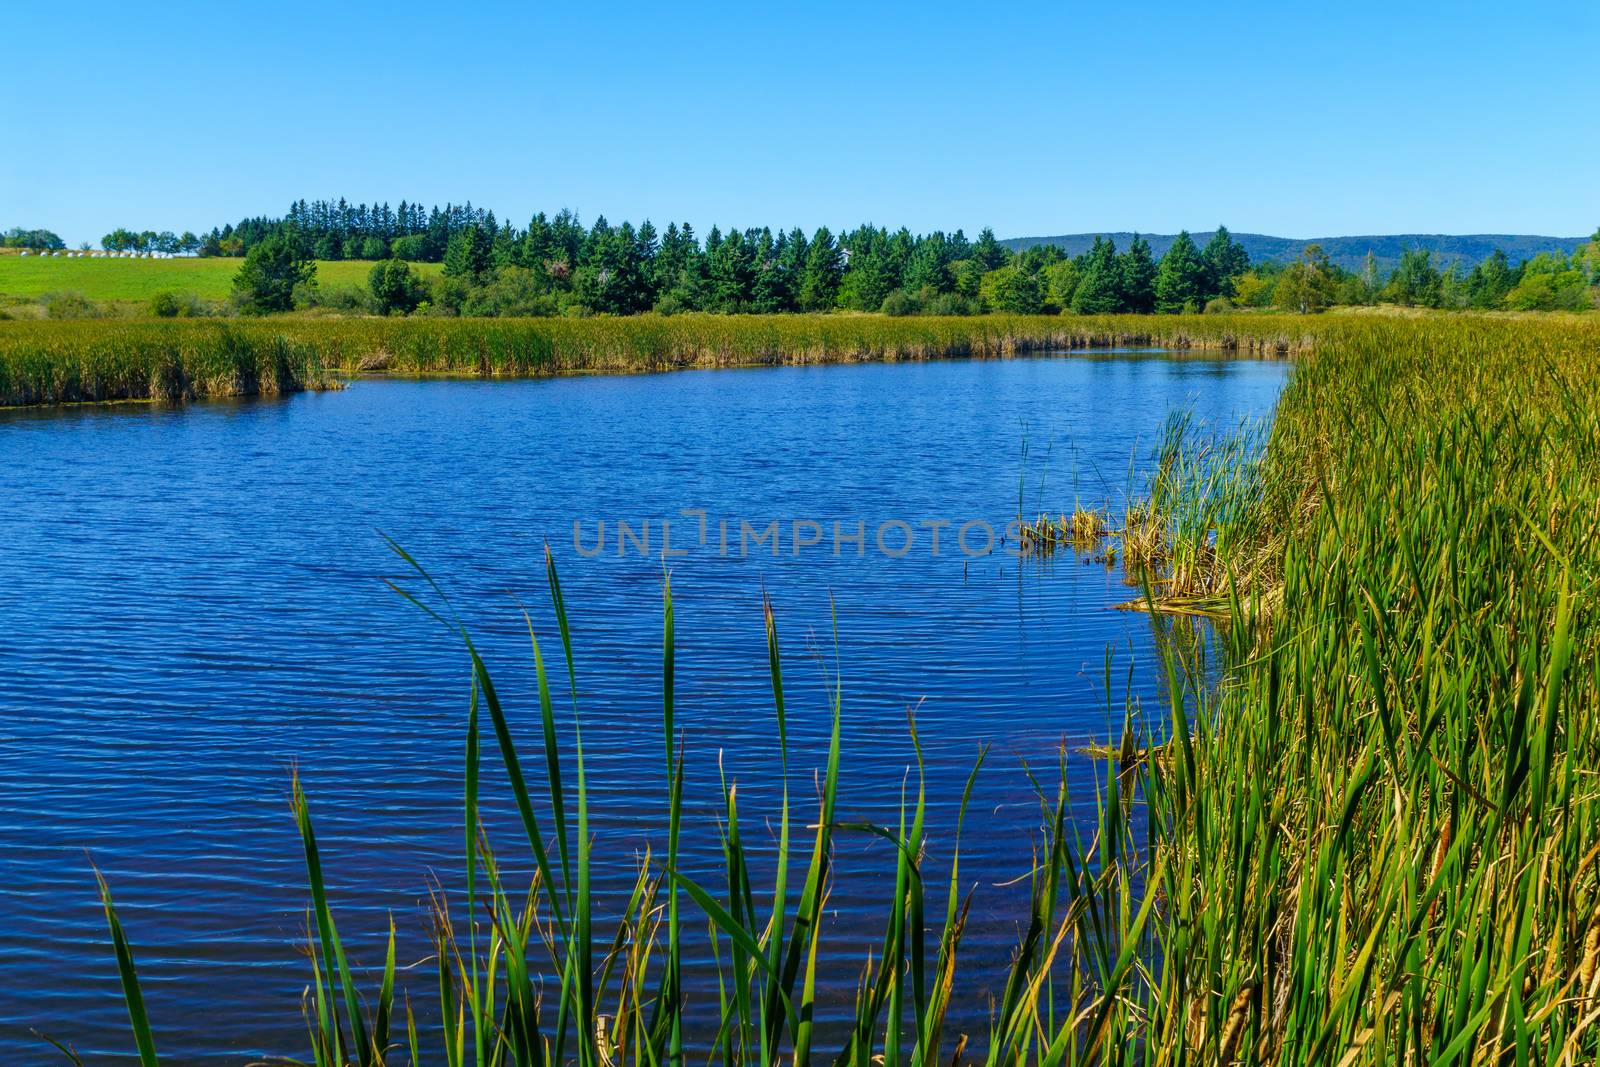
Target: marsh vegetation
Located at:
point(63, 362)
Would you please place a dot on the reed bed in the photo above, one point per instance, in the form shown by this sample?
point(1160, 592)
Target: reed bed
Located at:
point(78, 362)
point(61, 362)
point(1376, 841)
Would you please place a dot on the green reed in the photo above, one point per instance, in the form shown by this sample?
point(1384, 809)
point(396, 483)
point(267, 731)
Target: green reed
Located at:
point(1377, 840)
point(63, 362)
point(73, 362)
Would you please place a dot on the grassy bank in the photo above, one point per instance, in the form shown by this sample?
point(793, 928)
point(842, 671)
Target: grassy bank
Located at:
point(135, 281)
point(1378, 841)
point(58, 362)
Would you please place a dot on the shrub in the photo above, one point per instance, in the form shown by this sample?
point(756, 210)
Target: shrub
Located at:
point(671, 304)
point(1254, 289)
point(1220, 305)
point(950, 304)
point(900, 302)
point(174, 305)
point(512, 292)
point(344, 298)
point(70, 305)
point(1561, 291)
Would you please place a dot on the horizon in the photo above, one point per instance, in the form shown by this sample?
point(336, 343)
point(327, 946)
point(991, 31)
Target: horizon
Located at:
point(1037, 235)
point(939, 119)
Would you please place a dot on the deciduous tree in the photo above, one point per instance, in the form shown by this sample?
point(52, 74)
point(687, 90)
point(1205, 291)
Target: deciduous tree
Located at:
point(271, 270)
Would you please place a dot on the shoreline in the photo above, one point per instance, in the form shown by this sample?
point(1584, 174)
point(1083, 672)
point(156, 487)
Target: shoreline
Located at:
point(105, 361)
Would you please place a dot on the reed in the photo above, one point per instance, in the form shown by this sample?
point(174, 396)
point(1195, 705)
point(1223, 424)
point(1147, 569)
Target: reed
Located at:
point(88, 361)
point(63, 362)
point(1082, 530)
point(1376, 841)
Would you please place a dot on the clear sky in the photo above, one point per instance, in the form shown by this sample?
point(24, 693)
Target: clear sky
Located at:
point(1035, 119)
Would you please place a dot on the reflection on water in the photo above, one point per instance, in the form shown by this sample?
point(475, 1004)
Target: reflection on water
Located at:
point(191, 604)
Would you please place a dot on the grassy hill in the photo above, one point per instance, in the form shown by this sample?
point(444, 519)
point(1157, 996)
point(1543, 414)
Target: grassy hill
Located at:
point(1347, 252)
point(116, 280)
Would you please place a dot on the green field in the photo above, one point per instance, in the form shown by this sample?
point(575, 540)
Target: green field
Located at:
point(30, 277)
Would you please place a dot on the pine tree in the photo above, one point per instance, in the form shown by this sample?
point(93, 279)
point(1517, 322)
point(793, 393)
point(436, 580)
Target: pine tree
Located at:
point(730, 271)
point(1225, 259)
point(989, 252)
point(770, 287)
point(1490, 281)
point(1181, 281)
point(928, 270)
point(1139, 277)
point(1099, 290)
point(1416, 281)
point(824, 268)
point(867, 281)
point(468, 254)
point(646, 247)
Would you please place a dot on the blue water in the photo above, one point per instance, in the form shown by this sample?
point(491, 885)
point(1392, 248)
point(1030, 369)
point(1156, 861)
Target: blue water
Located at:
point(191, 605)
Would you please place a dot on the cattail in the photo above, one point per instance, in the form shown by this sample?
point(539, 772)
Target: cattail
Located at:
point(1233, 1026)
point(1591, 957)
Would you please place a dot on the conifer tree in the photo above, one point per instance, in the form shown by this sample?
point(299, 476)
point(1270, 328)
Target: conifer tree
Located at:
point(1099, 290)
point(1225, 259)
point(1181, 281)
point(824, 268)
point(1139, 277)
point(989, 252)
point(468, 254)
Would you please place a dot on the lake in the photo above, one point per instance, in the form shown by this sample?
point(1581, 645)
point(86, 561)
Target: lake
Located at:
point(192, 604)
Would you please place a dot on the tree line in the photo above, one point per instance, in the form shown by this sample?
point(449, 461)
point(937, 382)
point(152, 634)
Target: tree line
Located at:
point(40, 240)
point(123, 240)
point(556, 265)
point(1547, 282)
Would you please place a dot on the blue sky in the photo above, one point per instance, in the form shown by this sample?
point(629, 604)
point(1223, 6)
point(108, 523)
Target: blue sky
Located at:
point(1031, 118)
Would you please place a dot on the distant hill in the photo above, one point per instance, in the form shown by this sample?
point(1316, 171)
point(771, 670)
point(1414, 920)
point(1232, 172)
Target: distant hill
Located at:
point(1347, 252)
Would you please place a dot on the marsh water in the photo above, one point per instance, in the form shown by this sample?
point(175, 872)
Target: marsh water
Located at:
point(192, 604)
